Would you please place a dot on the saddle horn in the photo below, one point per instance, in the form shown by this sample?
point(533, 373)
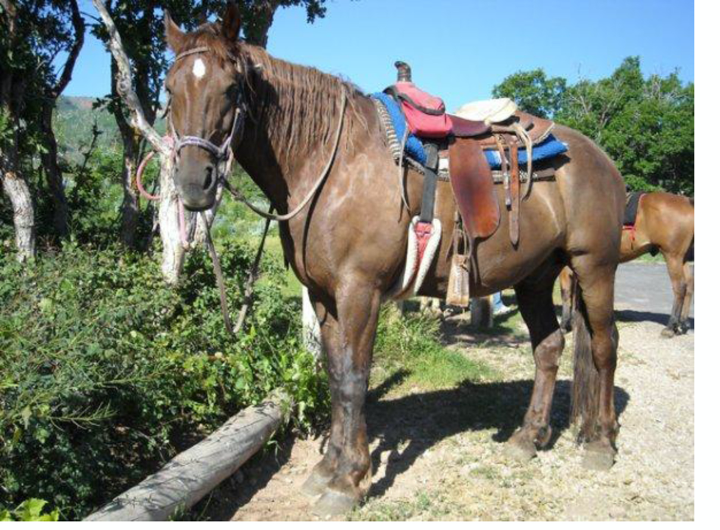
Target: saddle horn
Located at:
point(404, 72)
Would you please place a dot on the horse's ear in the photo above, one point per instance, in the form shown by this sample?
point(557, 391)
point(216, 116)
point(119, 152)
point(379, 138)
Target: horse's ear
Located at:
point(231, 22)
point(173, 34)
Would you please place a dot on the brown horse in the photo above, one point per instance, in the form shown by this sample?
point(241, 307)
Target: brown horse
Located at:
point(347, 242)
point(665, 223)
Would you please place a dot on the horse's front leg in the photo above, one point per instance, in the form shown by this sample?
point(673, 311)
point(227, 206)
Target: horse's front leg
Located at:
point(343, 476)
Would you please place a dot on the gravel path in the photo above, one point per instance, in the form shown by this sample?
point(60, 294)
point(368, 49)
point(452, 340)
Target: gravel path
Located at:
point(439, 454)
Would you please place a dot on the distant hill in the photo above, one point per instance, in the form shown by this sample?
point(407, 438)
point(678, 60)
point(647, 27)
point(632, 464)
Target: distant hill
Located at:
point(74, 120)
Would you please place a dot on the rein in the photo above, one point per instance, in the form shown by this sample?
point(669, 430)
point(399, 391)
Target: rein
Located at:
point(326, 171)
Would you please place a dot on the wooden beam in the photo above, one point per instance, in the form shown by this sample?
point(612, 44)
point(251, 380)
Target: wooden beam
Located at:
point(191, 475)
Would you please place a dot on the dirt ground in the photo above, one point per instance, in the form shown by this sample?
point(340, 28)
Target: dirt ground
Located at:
point(438, 454)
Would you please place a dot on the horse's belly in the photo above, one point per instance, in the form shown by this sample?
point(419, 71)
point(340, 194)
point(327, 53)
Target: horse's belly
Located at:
point(497, 264)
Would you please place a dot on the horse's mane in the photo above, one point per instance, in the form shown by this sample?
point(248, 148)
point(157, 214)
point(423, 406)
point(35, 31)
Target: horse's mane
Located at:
point(281, 93)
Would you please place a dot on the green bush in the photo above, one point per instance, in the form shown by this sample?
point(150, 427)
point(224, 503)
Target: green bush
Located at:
point(106, 373)
point(30, 510)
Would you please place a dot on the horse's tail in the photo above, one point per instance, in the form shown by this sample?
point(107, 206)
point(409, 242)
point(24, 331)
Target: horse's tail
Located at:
point(586, 380)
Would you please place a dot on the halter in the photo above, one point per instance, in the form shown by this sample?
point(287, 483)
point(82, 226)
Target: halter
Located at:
point(220, 153)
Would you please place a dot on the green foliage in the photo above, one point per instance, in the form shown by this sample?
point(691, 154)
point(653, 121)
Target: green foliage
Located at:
point(106, 373)
point(533, 91)
point(29, 510)
point(646, 125)
point(411, 343)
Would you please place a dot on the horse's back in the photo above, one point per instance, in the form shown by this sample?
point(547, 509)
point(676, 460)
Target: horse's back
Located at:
point(668, 220)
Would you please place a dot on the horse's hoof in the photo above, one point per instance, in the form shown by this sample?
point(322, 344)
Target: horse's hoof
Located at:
point(600, 458)
point(522, 451)
point(333, 504)
point(667, 333)
point(315, 485)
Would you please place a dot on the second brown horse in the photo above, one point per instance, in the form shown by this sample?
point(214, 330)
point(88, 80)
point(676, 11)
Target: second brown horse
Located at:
point(664, 223)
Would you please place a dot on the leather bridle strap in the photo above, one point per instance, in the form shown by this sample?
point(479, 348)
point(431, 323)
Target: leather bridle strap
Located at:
point(221, 153)
point(286, 217)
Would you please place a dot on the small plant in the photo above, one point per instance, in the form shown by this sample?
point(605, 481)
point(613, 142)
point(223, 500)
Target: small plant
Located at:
point(29, 510)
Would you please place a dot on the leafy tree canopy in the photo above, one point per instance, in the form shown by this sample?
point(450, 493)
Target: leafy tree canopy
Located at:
point(645, 124)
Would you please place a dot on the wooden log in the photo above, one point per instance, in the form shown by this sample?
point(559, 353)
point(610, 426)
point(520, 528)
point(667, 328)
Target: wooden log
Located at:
point(191, 475)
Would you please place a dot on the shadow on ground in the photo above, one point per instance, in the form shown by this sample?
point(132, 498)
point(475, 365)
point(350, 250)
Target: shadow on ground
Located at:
point(630, 315)
point(422, 420)
point(416, 422)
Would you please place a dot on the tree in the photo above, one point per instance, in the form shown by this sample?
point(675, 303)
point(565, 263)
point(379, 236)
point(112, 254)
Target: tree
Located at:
point(53, 89)
point(16, 67)
point(533, 91)
point(34, 33)
point(646, 125)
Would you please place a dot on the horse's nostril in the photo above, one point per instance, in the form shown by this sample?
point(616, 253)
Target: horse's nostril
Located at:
point(209, 172)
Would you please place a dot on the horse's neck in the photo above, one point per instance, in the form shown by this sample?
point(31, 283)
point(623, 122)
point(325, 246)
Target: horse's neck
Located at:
point(284, 162)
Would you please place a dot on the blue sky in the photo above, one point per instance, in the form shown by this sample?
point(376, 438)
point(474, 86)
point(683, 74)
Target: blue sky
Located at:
point(459, 49)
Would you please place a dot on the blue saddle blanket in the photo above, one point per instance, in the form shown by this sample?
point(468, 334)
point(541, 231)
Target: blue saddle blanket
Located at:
point(548, 148)
point(413, 146)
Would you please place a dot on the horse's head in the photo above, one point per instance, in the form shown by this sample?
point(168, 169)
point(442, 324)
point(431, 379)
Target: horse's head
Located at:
point(205, 91)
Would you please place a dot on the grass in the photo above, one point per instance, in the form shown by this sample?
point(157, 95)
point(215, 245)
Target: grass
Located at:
point(649, 258)
point(426, 506)
point(409, 345)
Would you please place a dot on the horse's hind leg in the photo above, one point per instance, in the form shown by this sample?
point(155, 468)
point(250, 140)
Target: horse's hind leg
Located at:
point(536, 306)
point(689, 274)
point(596, 342)
point(677, 277)
point(348, 327)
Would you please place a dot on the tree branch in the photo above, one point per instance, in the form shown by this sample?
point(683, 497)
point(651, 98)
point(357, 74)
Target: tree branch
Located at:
point(79, 27)
point(124, 82)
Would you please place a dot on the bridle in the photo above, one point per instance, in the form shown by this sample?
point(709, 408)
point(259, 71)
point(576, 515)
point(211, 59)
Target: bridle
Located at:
point(222, 153)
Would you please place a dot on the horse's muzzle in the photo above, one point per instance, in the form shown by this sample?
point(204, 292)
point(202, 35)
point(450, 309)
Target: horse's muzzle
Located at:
point(197, 187)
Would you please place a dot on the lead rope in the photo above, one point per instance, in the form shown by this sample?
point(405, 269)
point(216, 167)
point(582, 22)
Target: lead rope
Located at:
point(249, 285)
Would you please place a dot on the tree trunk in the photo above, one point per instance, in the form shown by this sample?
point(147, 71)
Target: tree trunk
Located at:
point(173, 255)
point(14, 185)
point(191, 475)
point(53, 173)
point(130, 208)
point(50, 158)
point(17, 190)
point(481, 313)
point(311, 327)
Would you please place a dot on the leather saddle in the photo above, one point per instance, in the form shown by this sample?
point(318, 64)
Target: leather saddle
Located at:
point(475, 127)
